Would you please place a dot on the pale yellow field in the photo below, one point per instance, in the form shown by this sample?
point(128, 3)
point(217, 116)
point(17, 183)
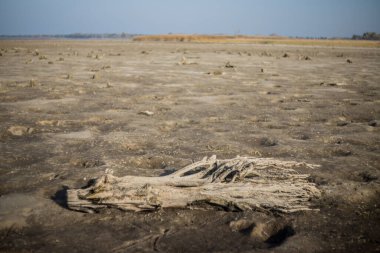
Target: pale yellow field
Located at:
point(259, 40)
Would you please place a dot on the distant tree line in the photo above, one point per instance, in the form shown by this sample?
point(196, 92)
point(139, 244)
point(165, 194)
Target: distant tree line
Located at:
point(367, 36)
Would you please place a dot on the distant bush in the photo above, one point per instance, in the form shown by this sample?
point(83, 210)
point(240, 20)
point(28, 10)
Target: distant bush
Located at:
point(367, 36)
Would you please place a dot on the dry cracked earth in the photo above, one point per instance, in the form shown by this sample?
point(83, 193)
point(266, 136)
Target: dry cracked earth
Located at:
point(71, 109)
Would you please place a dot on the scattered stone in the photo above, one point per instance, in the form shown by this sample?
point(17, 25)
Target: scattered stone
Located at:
point(50, 62)
point(304, 137)
point(61, 59)
point(349, 61)
point(68, 76)
point(373, 123)
point(286, 55)
point(306, 58)
point(42, 57)
point(265, 53)
point(328, 84)
point(91, 163)
point(241, 225)
point(273, 231)
point(144, 52)
point(342, 123)
point(367, 177)
point(36, 52)
point(268, 142)
point(108, 85)
point(215, 73)
point(262, 70)
point(229, 65)
point(146, 113)
point(185, 62)
point(106, 67)
point(20, 130)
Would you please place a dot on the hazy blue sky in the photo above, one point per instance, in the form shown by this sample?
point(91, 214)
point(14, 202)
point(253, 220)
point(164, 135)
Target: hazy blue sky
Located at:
point(284, 17)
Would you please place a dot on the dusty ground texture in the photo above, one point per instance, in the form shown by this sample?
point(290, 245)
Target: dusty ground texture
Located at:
point(71, 109)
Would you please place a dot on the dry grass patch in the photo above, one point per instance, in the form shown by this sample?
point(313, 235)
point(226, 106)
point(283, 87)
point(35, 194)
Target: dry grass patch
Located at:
point(258, 40)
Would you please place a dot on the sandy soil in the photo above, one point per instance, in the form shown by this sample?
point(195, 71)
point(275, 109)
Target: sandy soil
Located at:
point(71, 109)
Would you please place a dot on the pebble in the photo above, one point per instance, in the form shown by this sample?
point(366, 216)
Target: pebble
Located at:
point(146, 113)
point(373, 123)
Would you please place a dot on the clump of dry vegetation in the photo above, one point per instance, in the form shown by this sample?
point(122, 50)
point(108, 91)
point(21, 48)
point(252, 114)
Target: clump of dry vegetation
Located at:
point(238, 184)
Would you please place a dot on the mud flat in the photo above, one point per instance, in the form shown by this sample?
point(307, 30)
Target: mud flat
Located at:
point(71, 109)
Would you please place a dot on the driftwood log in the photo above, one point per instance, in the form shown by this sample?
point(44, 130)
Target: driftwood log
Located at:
point(241, 183)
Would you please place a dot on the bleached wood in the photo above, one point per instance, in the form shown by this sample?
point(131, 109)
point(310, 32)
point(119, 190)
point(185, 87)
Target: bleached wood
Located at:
point(241, 183)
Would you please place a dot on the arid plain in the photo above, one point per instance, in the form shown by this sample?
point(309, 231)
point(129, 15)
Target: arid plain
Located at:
point(71, 109)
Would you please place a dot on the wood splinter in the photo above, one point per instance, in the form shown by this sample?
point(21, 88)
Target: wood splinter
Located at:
point(238, 184)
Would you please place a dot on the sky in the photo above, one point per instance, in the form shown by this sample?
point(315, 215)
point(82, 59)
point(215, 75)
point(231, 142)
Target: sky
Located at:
point(307, 18)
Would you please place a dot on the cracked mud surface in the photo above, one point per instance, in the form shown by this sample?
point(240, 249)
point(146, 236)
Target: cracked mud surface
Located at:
point(71, 109)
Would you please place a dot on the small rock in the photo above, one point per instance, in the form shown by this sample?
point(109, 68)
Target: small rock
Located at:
point(349, 61)
point(328, 84)
point(286, 55)
point(273, 232)
point(373, 123)
point(367, 177)
point(229, 65)
point(265, 53)
point(262, 70)
point(215, 73)
point(20, 130)
point(146, 113)
point(304, 137)
point(268, 142)
point(240, 225)
point(342, 123)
